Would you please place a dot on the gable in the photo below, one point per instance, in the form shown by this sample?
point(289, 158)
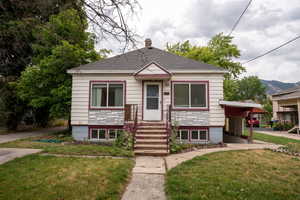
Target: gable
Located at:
point(152, 69)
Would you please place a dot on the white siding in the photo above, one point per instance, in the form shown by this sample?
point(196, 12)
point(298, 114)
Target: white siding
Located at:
point(216, 112)
point(80, 94)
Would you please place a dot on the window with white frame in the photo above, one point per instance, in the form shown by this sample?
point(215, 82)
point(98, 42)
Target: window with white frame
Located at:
point(105, 134)
point(182, 134)
point(199, 135)
point(107, 95)
point(190, 95)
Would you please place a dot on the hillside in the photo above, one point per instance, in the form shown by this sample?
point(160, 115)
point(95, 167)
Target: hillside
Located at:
point(276, 86)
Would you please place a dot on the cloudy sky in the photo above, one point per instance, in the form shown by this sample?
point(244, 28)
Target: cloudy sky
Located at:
point(265, 25)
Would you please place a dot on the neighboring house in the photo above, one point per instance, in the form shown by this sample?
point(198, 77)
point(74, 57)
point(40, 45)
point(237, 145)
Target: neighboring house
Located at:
point(144, 90)
point(286, 105)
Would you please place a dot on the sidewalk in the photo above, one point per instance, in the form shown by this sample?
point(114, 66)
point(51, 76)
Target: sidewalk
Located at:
point(148, 179)
point(15, 136)
point(7, 154)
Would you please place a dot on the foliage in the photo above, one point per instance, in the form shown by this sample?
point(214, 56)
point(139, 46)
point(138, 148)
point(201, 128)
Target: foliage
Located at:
point(41, 177)
point(175, 146)
point(12, 108)
point(124, 140)
point(18, 20)
point(251, 175)
point(219, 52)
point(63, 44)
point(282, 126)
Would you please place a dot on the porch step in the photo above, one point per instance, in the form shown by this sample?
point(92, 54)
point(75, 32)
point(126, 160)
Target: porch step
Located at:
point(151, 136)
point(151, 131)
point(150, 141)
point(151, 146)
point(144, 152)
point(151, 123)
point(151, 127)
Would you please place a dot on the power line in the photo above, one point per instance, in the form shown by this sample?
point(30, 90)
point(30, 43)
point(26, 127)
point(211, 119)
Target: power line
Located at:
point(272, 50)
point(240, 17)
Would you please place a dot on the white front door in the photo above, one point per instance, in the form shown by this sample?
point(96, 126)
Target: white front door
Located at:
point(152, 101)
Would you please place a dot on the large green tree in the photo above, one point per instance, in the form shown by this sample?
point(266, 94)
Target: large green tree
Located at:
point(63, 44)
point(220, 51)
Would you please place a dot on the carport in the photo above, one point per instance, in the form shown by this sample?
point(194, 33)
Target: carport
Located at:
point(235, 114)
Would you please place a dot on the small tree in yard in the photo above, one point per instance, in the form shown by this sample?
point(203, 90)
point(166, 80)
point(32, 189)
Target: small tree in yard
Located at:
point(63, 44)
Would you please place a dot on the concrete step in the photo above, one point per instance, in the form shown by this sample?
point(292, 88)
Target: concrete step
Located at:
point(151, 127)
point(151, 146)
point(151, 136)
point(150, 141)
point(151, 123)
point(144, 152)
point(151, 131)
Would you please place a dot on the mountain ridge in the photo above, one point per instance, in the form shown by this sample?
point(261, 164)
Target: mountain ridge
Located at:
point(274, 86)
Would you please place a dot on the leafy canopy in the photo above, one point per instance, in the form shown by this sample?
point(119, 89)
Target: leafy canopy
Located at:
point(62, 44)
point(219, 52)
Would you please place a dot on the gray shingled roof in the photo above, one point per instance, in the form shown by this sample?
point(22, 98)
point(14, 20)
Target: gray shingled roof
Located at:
point(287, 94)
point(136, 59)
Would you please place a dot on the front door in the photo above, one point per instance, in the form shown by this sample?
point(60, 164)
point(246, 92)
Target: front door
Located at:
point(152, 101)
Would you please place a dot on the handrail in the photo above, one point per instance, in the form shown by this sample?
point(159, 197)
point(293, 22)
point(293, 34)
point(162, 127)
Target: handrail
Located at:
point(131, 119)
point(135, 124)
point(168, 126)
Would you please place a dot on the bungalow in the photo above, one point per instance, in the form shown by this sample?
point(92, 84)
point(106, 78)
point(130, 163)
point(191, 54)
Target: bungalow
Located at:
point(286, 106)
point(147, 91)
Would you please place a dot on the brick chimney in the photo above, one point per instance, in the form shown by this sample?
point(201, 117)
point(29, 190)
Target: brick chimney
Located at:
point(148, 43)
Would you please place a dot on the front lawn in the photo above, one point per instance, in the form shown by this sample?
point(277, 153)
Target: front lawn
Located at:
point(48, 177)
point(251, 175)
point(66, 147)
point(272, 139)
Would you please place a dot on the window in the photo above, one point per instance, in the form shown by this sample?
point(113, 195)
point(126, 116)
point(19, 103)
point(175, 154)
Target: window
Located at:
point(199, 135)
point(183, 134)
point(190, 95)
point(105, 134)
point(108, 94)
point(193, 135)
point(97, 134)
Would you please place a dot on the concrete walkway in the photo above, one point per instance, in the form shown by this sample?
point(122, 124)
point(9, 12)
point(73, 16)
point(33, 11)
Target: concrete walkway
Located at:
point(148, 180)
point(281, 134)
point(15, 136)
point(176, 159)
point(7, 154)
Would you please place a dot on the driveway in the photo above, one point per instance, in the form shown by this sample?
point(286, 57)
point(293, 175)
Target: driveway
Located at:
point(15, 136)
point(7, 154)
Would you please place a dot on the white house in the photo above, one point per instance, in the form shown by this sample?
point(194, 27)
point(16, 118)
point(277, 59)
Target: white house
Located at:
point(145, 90)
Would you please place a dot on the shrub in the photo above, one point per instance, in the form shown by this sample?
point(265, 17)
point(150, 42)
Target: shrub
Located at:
point(282, 126)
point(124, 140)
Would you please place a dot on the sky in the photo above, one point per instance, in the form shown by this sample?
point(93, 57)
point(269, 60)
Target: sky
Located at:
point(266, 25)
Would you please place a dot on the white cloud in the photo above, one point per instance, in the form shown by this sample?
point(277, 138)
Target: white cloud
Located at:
point(265, 25)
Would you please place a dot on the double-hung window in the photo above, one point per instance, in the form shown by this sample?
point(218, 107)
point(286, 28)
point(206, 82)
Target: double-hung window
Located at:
point(190, 95)
point(197, 135)
point(107, 95)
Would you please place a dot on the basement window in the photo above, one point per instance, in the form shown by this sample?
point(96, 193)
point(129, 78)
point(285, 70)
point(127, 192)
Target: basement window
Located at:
point(105, 134)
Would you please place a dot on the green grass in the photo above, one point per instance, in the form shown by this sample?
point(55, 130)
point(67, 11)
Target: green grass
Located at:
point(66, 147)
point(47, 177)
point(235, 175)
point(273, 139)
